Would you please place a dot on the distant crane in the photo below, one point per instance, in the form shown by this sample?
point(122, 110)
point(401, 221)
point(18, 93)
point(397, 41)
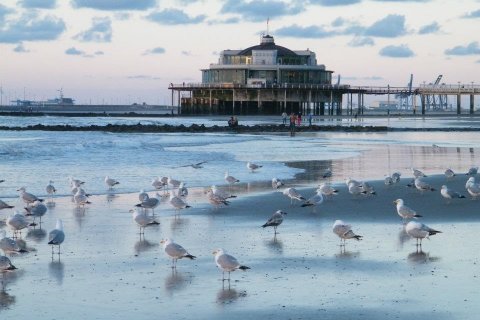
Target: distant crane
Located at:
point(406, 99)
point(437, 102)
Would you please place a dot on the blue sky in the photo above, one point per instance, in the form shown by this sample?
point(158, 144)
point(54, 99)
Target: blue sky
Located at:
point(125, 51)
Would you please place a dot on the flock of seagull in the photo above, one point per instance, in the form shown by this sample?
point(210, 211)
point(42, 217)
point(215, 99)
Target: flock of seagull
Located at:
point(35, 208)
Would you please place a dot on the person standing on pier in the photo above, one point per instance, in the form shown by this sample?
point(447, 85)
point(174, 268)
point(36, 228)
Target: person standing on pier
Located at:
point(293, 119)
point(299, 119)
point(284, 117)
point(310, 119)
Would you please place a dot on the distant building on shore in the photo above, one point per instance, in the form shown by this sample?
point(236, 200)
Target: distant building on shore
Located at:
point(262, 79)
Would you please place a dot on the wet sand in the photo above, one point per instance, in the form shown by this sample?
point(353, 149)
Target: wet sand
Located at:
point(107, 272)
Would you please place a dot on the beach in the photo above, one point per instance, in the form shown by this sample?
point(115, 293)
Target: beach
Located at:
point(106, 271)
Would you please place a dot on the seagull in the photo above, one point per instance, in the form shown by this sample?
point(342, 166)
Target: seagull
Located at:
point(175, 251)
point(110, 182)
point(450, 194)
point(197, 165)
point(56, 236)
point(81, 198)
point(277, 183)
point(275, 220)
point(396, 177)
point(182, 190)
point(6, 265)
point(449, 173)
point(172, 182)
point(17, 222)
point(472, 171)
point(368, 188)
point(50, 189)
point(159, 183)
point(404, 211)
point(4, 205)
point(221, 193)
point(472, 187)
point(419, 231)
point(421, 185)
point(177, 202)
point(356, 189)
point(227, 263)
point(350, 181)
point(315, 200)
point(252, 166)
point(388, 181)
point(150, 203)
point(215, 199)
point(142, 219)
point(326, 189)
point(37, 209)
point(142, 195)
point(327, 173)
point(28, 197)
point(417, 173)
point(293, 194)
point(9, 245)
point(344, 231)
point(229, 179)
point(75, 182)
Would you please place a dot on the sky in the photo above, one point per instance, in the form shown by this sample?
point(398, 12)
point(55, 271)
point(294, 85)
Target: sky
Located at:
point(129, 51)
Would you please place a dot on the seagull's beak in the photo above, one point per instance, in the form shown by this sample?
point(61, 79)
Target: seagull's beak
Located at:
point(162, 241)
point(214, 252)
point(395, 201)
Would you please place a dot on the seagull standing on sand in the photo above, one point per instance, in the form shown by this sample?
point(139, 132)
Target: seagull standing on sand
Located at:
point(327, 190)
point(160, 183)
point(472, 187)
point(142, 195)
point(4, 205)
point(388, 181)
point(405, 212)
point(356, 189)
point(368, 188)
point(17, 222)
point(56, 236)
point(315, 200)
point(143, 220)
point(344, 231)
point(275, 220)
point(221, 193)
point(75, 182)
point(293, 194)
point(230, 179)
point(177, 203)
point(110, 182)
point(396, 177)
point(417, 173)
point(216, 200)
point(50, 189)
point(182, 190)
point(277, 183)
point(472, 171)
point(450, 194)
point(37, 210)
point(449, 173)
point(81, 198)
point(175, 251)
point(421, 185)
point(173, 183)
point(419, 231)
point(28, 197)
point(6, 265)
point(227, 263)
point(8, 245)
point(252, 166)
point(150, 203)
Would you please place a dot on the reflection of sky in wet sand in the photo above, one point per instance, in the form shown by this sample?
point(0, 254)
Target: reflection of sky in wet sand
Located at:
point(228, 295)
point(56, 269)
point(144, 246)
point(177, 280)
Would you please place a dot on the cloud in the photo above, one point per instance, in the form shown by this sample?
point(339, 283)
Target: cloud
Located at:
point(374, 78)
point(231, 20)
point(402, 0)
point(20, 48)
point(472, 14)
point(114, 5)
point(74, 52)
point(143, 77)
point(361, 42)
point(100, 31)
point(122, 15)
point(99, 53)
point(157, 50)
point(174, 17)
point(187, 53)
point(470, 49)
point(32, 27)
point(429, 28)
point(391, 26)
point(338, 22)
point(331, 3)
point(261, 10)
point(401, 51)
point(38, 4)
point(4, 11)
point(297, 31)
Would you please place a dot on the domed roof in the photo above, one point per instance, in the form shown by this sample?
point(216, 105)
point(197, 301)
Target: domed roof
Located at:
point(268, 44)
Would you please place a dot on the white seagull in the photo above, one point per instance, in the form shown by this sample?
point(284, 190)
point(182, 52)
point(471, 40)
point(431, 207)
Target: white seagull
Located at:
point(293, 194)
point(56, 236)
point(182, 190)
point(275, 220)
point(405, 212)
point(9, 245)
point(50, 189)
point(6, 265)
point(421, 185)
point(37, 210)
point(450, 194)
point(110, 182)
point(419, 231)
point(28, 197)
point(230, 179)
point(4, 205)
point(177, 203)
point(143, 220)
point(175, 251)
point(81, 198)
point(221, 193)
point(417, 173)
point(449, 173)
point(227, 263)
point(149, 203)
point(142, 195)
point(472, 187)
point(173, 182)
point(327, 190)
point(344, 231)
point(216, 200)
point(315, 200)
point(472, 171)
point(396, 177)
point(17, 222)
point(277, 183)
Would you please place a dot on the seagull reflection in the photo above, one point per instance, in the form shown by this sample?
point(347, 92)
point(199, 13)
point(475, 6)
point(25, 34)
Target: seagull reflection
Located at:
point(402, 237)
point(178, 223)
point(420, 257)
point(50, 204)
point(229, 295)
point(344, 254)
point(275, 244)
point(6, 300)
point(37, 235)
point(177, 281)
point(110, 197)
point(56, 269)
point(143, 246)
